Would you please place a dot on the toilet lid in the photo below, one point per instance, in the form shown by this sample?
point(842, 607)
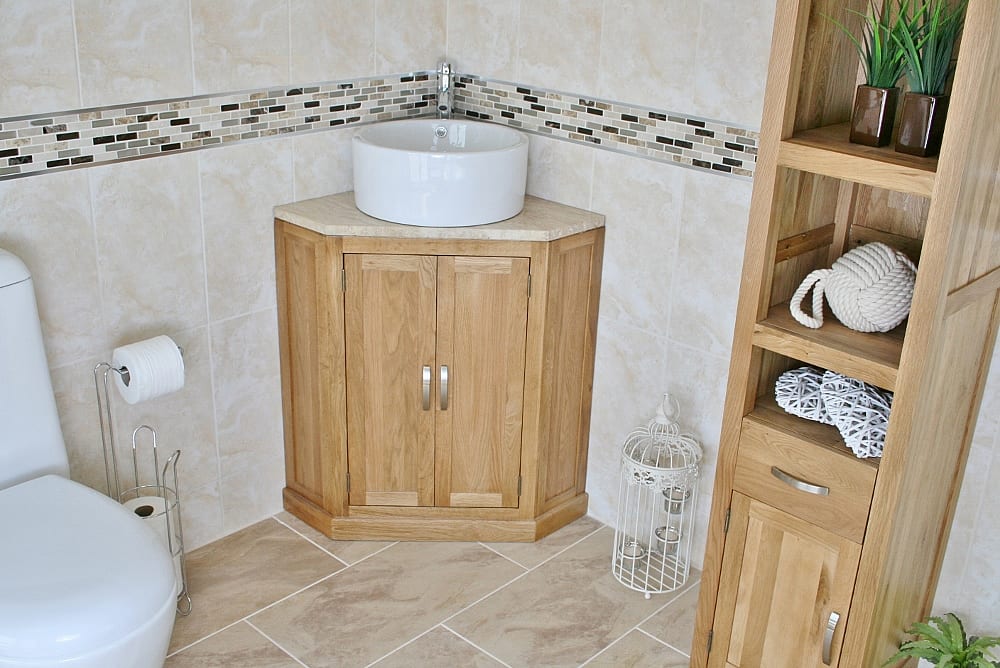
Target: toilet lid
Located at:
point(77, 570)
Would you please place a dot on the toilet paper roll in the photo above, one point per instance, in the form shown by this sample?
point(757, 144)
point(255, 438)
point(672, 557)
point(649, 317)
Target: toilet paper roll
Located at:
point(155, 367)
point(153, 511)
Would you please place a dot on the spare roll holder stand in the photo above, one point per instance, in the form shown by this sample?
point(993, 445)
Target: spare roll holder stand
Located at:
point(164, 480)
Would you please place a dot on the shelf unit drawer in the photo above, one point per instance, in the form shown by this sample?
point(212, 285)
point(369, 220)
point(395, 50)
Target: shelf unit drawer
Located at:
point(817, 480)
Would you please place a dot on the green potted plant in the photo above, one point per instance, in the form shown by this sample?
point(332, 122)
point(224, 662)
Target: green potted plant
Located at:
point(927, 40)
point(882, 59)
point(942, 641)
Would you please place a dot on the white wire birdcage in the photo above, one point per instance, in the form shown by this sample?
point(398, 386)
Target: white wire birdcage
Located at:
point(657, 494)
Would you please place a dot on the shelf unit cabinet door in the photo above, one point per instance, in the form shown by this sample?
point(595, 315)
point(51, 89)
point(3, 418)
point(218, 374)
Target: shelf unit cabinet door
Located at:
point(390, 332)
point(482, 321)
point(783, 580)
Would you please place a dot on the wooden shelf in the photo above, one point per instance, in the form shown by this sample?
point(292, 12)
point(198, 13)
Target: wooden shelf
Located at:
point(827, 151)
point(873, 358)
point(770, 415)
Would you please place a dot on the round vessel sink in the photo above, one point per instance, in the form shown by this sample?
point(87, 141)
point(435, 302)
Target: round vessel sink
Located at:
point(440, 173)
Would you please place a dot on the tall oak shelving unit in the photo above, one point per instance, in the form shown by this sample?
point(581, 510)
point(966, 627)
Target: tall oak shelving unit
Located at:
point(793, 578)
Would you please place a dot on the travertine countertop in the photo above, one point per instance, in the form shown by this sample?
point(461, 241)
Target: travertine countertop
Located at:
point(336, 215)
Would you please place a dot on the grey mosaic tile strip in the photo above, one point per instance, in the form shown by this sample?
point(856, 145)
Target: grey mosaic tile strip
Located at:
point(705, 144)
point(65, 140)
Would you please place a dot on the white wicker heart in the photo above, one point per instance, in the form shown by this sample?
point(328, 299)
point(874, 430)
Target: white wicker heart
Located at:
point(859, 410)
point(869, 289)
point(798, 392)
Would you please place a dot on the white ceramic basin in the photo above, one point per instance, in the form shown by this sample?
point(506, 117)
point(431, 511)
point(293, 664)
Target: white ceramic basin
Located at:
point(440, 173)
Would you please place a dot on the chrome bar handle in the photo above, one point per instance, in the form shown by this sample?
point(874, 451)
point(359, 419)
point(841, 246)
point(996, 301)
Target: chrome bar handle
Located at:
point(427, 387)
point(444, 387)
point(831, 628)
point(799, 483)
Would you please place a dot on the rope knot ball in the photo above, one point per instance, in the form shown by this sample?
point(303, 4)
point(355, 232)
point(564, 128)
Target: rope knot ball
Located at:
point(869, 289)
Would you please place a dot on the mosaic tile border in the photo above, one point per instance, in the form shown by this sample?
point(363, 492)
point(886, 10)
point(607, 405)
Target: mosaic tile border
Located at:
point(689, 141)
point(85, 137)
point(63, 140)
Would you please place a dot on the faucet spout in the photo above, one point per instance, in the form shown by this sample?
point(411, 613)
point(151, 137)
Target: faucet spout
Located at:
point(445, 90)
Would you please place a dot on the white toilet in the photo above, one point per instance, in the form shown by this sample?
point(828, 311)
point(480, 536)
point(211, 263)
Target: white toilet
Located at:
point(84, 583)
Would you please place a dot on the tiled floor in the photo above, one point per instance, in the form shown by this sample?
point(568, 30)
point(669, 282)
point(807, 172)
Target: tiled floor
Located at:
point(280, 594)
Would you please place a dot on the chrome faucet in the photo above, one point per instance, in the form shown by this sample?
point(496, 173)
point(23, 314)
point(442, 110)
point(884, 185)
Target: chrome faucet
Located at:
point(445, 90)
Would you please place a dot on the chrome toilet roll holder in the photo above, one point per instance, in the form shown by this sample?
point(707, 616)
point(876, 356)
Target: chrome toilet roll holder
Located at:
point(164, 485)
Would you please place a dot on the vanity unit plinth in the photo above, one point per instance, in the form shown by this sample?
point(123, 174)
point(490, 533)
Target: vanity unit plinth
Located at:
point(815, 557)
point(436, 382)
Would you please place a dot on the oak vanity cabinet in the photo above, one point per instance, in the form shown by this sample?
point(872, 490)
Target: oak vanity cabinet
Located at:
point(436, 388)
point(815, 557)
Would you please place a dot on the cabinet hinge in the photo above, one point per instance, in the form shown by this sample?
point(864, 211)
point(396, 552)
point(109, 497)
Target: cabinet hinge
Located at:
point(708, 650)
point(348, 481)
point(519, 485)
point(725, 527)
point(529, 285)
point(343, 280)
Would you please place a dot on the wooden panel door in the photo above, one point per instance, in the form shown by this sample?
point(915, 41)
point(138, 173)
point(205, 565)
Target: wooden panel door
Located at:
point(482, 321)
point(783, 582)
point(390, 333)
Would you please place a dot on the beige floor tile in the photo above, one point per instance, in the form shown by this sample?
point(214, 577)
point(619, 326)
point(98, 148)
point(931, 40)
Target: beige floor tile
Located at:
point(239, 645)
point(349, 551)
point(638, 650)
point(369, 609)
point(530, 555)
point(438, 648)
point(241, 573)
point(561, 613)
point(674, 624)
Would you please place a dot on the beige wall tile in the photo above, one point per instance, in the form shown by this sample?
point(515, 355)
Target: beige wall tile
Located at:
point(239, 187)
point(641, 201)
point(322, 163)
point(410, 35)
point(648, 54)
point(76, 402)
point(560, 171)
point(248, 417)
point(37, 57)
point(709, 261)
point(239, 44)
point(629, 372)
point(733, 50)
point(54, 236)
point(559, 44)
point(133, 50)
point(332, 39)
point(482, 37)
point(149, 246)
point(201, 515)
point(183, 420)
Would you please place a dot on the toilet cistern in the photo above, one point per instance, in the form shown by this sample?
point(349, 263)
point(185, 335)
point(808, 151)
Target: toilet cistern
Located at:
point(445, 90)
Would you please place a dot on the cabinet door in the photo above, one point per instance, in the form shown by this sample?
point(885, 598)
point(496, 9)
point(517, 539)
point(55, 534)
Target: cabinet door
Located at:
point(482, 321)
point(390, 333)
point(785, 582)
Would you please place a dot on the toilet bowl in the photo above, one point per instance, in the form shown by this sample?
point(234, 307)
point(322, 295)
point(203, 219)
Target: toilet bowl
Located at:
point(84, 583)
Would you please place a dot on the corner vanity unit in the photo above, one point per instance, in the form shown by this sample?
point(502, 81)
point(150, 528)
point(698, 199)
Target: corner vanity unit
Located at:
point(436, 382)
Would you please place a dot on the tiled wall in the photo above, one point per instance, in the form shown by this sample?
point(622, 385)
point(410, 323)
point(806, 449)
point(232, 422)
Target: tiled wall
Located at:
point(182, 243)
point(63, 139)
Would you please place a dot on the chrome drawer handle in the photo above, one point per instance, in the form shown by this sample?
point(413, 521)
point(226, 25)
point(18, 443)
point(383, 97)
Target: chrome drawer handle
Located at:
point(444, 387)
point(427, 388)
point(798, 483)
point(831, 628)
